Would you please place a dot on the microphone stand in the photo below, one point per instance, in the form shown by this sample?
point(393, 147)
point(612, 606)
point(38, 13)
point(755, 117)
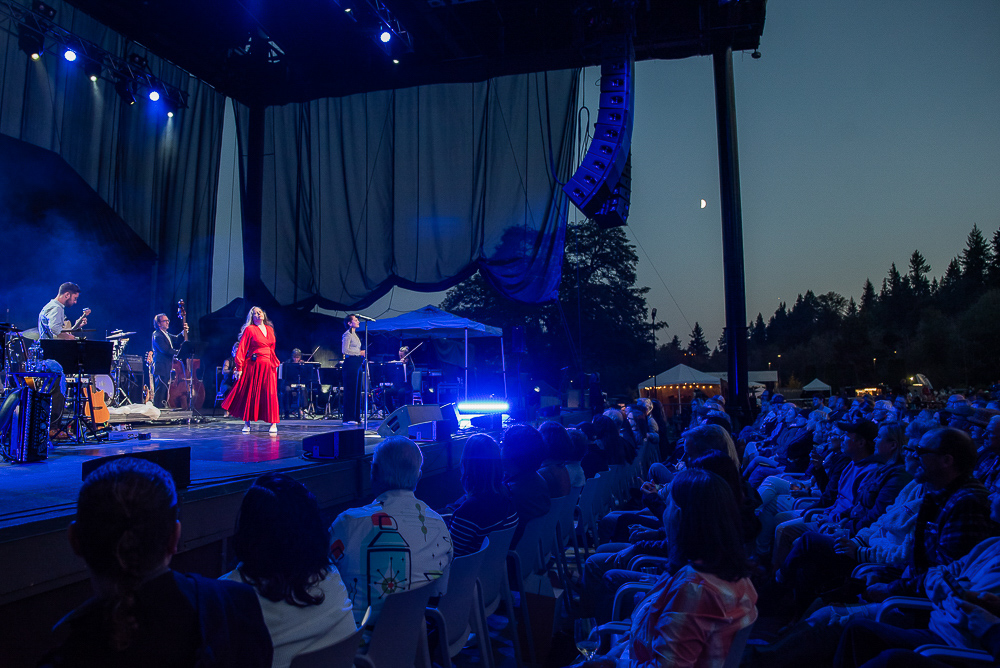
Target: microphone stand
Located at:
point(367, 380)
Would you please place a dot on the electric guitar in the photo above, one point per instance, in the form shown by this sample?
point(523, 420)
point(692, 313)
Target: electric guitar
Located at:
point(147, 389)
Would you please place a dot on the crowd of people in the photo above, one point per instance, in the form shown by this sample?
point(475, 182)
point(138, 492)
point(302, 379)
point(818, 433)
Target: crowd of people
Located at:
point(811, 517)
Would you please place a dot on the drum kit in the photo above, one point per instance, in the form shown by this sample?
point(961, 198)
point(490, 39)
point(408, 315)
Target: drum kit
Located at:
point(121, 384)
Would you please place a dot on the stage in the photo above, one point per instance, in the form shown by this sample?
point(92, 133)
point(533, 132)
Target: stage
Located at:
point(43, 579)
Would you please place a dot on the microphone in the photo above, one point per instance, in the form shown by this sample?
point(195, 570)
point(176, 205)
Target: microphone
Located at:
point(364, 317)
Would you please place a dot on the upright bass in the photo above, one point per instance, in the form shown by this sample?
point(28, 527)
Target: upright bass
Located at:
point(186, 390)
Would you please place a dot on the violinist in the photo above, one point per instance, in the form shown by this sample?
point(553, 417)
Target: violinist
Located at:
point(165, 347)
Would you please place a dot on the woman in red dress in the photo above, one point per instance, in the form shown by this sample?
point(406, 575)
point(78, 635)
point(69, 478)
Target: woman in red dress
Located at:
point(255, 394)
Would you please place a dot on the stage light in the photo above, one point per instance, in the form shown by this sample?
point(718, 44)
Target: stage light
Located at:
point(36, 56)
point(30, 40)
point(154, 95)
point(385, 36)
point(40, 7)
point(170, 114)
point(69, 55)
point(135, 60)
point(92, 69)
point(395, 61)
point(124, 91)
point(482, 407)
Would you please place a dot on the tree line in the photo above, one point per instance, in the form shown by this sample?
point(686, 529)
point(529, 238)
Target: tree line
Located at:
point(943, 327)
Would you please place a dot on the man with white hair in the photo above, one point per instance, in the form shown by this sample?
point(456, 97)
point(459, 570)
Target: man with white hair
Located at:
point(394, 543)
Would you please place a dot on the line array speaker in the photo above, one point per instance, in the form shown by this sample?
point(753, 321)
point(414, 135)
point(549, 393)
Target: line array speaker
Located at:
point(599, 176)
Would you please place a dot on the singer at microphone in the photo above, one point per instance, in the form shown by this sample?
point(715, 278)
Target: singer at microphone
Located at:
point(350, 346)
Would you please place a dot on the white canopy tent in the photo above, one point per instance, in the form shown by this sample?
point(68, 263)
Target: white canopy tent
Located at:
point(817, 386)
point(680, 378)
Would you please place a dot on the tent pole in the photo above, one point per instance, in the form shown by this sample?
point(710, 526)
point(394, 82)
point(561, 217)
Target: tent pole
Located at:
point(503, 368)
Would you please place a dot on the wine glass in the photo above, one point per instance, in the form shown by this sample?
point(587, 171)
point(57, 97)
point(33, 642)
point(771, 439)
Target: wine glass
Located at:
point(585, 635)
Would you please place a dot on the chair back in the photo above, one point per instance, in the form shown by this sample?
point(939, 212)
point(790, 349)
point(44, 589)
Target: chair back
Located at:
point(566, 516)
point(529, 547)
point(735, 656)
point(396, 638)
point(338, 655)
point(586, 503)
point(454, 605)
point(494, 566)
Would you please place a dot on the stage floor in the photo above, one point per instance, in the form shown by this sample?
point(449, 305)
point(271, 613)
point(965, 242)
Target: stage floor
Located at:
point(219, 452)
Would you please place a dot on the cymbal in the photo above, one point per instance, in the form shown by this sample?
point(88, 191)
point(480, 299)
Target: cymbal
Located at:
point(9, 327)
point(115, 336)
point(73, 331)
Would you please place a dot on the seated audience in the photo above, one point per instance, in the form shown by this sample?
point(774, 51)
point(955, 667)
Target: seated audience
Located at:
point(705, 598)
point(283, 549)
point(143, 613)
point(521, 455)
point(558, 448)
point(418, 542)
point(486, 505)
point(574, 465)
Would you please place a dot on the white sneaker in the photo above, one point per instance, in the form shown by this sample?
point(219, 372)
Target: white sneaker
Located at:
point(273, 429)
point(246, 429)
point(350, 422)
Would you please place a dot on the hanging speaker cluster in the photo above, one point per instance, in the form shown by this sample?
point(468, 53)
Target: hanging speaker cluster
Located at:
point(601, 186)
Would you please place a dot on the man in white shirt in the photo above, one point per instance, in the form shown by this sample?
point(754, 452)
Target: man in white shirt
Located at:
point(396, 542)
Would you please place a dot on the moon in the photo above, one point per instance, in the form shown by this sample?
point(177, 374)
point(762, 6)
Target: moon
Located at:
point(704, 204)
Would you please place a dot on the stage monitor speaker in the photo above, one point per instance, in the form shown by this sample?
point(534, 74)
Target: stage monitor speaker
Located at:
point(399, 421)
point(176, 461)
point(344, 444)
point(492, 422)
point(600, 173)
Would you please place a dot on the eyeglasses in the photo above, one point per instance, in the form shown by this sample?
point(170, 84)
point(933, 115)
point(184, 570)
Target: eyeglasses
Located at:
point(926, 451)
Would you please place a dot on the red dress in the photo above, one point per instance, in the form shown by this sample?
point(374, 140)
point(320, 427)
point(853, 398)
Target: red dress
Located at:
point(255, 394)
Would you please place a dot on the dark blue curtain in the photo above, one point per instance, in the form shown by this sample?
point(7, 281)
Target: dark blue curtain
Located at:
point(417, 187)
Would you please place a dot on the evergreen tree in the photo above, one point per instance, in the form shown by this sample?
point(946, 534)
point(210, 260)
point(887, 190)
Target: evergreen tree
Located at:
point(993, 270)
point(975, 259)
point(698, 346)
point(918, 275)
point(868, 299)
point(675, 345)
point(758, 332)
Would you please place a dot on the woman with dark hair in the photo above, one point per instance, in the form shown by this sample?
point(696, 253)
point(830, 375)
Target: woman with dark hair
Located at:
point(694, 610)
point(746, 497)
point(283, 546)
point(574, 463)
point(486, 506)
point(143, 613)
point(522, 455)
point(612, 443)
point(255, 393)
point(354, 361)
point(558, 448)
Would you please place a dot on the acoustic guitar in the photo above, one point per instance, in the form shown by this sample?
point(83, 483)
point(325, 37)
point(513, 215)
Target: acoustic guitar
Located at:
point(147, 389)
point(95, 405)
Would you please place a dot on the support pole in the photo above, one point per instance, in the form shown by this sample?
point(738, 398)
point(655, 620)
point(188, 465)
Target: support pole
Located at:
point(738, 401)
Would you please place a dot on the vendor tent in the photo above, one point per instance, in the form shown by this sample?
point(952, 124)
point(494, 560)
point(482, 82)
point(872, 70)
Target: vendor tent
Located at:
point(673, 382)
point(431, 322)
point(817, 386)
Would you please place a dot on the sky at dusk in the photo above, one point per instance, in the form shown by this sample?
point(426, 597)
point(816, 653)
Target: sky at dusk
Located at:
point(868, 129)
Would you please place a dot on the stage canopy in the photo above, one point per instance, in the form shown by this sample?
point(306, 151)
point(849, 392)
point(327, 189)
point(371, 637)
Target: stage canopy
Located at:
point(430, 322)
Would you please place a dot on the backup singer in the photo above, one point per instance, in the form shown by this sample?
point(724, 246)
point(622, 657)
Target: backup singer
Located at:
point(165, 347)
point(255, 394)
point(354, 358)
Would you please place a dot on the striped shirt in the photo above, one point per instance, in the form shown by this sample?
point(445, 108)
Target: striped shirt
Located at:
point(477, 517)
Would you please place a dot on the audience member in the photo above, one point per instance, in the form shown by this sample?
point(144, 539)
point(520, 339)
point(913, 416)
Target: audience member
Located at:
point(396, 542)
point(558, 448)
point(574, 465)
point(283, 549)
point(486, 505)
point(521, 454)
point(143, 613)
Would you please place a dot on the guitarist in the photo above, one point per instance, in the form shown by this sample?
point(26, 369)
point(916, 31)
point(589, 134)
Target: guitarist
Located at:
point(165, 346)
point(52, 318)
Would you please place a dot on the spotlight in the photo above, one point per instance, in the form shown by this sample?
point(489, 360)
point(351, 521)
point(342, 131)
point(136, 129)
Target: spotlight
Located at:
point(30, 40)
point(385, 36)
point(92, 69)
point(170, 114)
point(135, 60)
point(395, 61)
point(124, 90)
point(154, 96)
point(69, 55)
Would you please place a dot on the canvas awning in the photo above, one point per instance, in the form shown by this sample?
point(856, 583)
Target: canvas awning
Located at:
point(681, 375)
point(817, 386)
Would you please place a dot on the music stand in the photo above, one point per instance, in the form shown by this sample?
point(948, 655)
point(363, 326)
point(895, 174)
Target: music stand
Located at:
point(79, 358)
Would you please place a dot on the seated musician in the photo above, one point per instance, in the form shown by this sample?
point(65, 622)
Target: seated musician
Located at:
point(402, 389)
point(294, 395)
point(52, 318)
point(165, 347)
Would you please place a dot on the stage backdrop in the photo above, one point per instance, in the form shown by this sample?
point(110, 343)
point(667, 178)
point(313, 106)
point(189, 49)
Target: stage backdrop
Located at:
point(158, 175)
point(417, 187)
